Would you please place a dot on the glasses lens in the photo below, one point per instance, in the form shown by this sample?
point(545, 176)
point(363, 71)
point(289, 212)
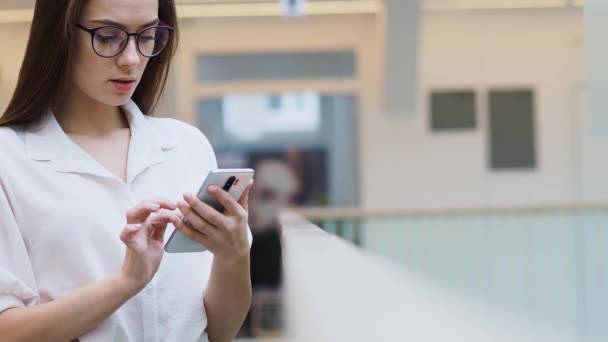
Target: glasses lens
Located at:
point(109, 41)
point(152, 41)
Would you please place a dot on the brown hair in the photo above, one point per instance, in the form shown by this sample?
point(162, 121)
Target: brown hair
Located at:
point(45, 72)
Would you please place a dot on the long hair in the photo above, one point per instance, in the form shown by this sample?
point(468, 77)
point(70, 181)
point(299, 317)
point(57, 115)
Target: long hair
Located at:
point(46, 69)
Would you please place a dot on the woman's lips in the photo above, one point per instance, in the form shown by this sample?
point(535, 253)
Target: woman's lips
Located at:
point(123, 86)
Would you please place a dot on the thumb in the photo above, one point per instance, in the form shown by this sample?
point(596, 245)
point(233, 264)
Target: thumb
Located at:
point(244, 201)
point(129, 232)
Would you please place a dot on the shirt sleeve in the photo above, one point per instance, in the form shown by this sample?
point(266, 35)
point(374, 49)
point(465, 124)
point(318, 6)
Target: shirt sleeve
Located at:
point(17, 281)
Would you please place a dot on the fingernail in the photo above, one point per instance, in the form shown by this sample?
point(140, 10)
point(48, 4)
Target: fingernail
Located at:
point(182, 204)
point(212, 188)
point(155, 206)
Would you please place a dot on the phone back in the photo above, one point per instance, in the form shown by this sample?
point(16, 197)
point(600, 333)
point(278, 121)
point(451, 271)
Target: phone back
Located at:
point(220, 179)
point(235, 180)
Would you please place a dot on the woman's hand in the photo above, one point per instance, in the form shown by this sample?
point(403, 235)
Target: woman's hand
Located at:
point(143, 236)
point(223, 234)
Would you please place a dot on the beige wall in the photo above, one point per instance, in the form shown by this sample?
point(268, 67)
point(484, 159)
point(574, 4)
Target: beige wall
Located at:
point(481, 50)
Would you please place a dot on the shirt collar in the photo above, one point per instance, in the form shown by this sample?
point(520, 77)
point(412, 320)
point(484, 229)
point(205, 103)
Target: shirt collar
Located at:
point(48, 142)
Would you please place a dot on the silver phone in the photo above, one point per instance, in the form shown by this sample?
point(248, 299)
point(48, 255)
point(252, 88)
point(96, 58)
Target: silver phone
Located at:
point(234, 181)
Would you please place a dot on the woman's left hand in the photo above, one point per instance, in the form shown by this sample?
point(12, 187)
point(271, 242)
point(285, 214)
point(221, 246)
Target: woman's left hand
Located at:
point(223, 234)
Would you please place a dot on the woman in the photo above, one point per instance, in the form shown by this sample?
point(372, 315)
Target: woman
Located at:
point(88, 184)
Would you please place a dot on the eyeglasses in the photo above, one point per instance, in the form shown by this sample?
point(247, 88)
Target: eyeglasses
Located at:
point(110, 41)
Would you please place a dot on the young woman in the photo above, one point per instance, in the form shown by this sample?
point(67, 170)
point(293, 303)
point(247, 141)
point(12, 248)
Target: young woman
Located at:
point(89, 184)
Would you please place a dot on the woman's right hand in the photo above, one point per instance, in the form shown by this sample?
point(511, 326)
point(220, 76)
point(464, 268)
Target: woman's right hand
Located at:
point(143, 236)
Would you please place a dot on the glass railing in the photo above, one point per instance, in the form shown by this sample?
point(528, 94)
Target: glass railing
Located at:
point(546, 267)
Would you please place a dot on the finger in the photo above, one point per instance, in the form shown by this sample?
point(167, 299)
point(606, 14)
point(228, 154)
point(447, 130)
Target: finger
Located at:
point(190, 232)
point(195, 221)
point(244, 200)
point(157, 223)
point(161, 216)
point(225, 199)
point(147, 227)
point(140, 212)
point(129, 232)
point(165, 203)
point(204, 210)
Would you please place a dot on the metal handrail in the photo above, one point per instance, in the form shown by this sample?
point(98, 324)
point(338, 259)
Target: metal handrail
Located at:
point(353, 213)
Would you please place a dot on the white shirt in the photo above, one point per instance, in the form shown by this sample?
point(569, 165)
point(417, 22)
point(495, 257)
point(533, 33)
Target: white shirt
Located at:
point(61, 214)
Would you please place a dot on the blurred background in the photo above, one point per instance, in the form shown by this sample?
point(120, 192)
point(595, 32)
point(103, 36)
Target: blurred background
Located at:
point(459, 141)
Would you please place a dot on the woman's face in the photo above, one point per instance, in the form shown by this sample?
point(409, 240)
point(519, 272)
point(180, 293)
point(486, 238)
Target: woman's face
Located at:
point(112, 81)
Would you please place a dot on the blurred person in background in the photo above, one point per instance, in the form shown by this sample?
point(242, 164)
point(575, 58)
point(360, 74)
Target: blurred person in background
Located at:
point(277, 186)
point(85, 178)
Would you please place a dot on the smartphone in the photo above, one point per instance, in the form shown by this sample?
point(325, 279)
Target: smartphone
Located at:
point(234, 181)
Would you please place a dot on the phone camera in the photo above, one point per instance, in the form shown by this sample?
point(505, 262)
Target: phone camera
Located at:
point(229, 183)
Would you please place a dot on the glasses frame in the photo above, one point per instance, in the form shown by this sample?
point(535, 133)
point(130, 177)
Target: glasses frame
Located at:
point(93, 31)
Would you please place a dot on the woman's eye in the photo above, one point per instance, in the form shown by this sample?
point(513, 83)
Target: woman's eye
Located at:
point(106, 39)
point(147, 38)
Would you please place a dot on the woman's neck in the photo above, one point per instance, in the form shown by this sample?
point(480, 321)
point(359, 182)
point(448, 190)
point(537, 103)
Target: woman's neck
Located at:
point(82, 115)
